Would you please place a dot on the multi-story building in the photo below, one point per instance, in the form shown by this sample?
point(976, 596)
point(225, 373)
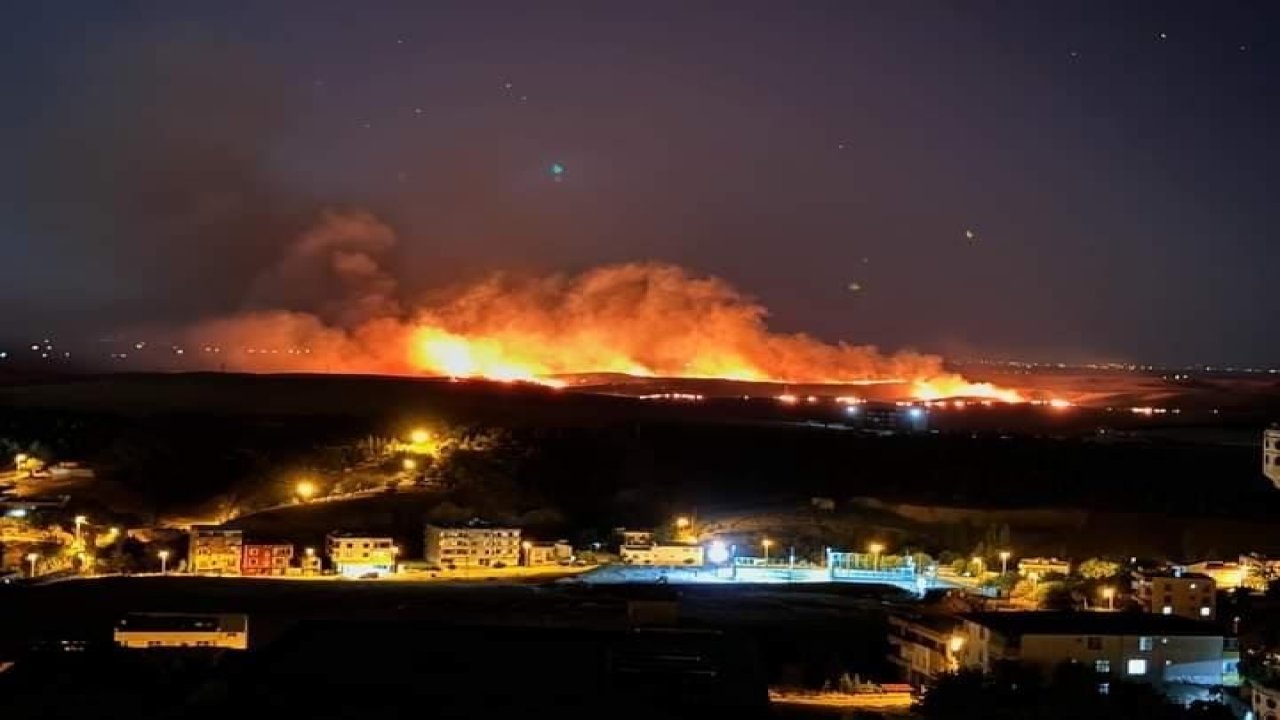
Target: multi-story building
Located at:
point(925, 645)
point(1259, 571)
point(215, 550)
point(1264, 699)
point(1225, 575)
point(170, 630)
point(635, 537)
point(266, 559)
point(543, 552)
point(472, 544)
point(1174, 592)
point(1137, 647)
point(1271, 454)
point(356, 555)
point(1039, 567)
point(663, 554)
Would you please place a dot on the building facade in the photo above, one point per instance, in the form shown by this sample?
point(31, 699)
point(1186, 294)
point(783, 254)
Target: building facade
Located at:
point(215, 550)
point(1185, 594)
point(1135, 647)
point(663, 555)
point(1271, 454)
point(924, 646)
point(171, 630)
point(266, 559)
point(1265, 701)
point(542, 553)
point(472, 544)
point(1225, 575)
point(357, 556)
point(1037, 568)
point(635, 537)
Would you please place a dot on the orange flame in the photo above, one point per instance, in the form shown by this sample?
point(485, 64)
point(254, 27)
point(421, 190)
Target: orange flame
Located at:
point(341, 310)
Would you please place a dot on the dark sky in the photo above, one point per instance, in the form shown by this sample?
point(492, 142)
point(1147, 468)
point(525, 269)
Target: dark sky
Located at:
point(1117, 163)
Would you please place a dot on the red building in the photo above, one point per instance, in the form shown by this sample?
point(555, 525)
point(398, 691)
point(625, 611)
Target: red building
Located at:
point(266, 559)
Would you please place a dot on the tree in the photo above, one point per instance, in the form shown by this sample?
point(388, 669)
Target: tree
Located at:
point(1098, 569)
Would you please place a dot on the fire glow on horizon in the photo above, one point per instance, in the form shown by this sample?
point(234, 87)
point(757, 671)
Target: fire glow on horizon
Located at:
point(636, 319)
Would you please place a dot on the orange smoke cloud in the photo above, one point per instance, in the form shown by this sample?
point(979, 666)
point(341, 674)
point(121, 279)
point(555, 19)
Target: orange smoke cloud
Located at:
point(342, 313)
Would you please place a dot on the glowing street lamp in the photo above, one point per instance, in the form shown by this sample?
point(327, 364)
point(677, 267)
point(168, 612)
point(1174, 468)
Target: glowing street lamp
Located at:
point(419, 436)
point(80, 521)
point(32, 558)
point(20, 461)
point(310, 552)
point(164, 561)
point(410, 464)
point(682, 522)
point(875, 549)
point(1004, 562)
point(305, 489)
point(982, 565)
point(717, 552)
point(1110, 594)
point(766, 544)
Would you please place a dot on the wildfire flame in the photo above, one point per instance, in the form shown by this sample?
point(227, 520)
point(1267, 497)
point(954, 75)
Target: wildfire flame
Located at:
point(641, 319)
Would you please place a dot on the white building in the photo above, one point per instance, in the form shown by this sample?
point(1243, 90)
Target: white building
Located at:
point(925, 645)
point(1271, 454)
point(1137, 647)
point(357, 556)
point(472, 544)
point(663, 555)
point(175, 630)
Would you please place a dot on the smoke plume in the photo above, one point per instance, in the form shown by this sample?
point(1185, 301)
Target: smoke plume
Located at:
point(331, 303)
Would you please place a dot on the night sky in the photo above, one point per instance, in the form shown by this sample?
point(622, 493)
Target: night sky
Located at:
point(1116, 163)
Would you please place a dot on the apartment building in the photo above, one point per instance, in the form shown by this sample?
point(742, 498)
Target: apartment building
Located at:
point(1174, 592)
point(215, 550)
point(925, 645)
point(266, 559)
point(663, 554)
point(1137, 647)
point(472, 544)
point(356, 555)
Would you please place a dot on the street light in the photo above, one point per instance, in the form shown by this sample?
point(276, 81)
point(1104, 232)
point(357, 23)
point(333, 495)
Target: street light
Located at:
point(528, 559)
point(32, 558)
point(80, 520)
point(982, 565)
point(410, 464)
point(164, 562)
point(305, 489)
point(20, 460)
point(766, 543)
point(682, 522)
point(1110, 594)
point(875, 549)
point(419, 436)
point(1004, 562)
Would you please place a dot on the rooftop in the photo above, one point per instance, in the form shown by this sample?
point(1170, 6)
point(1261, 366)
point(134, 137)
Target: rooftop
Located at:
point(1171, 575)
point(1091, 623)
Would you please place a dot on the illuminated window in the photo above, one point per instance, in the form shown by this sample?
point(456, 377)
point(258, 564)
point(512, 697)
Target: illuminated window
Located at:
point(1206, 612)
point(1102, 666)
point(1136, 666)
point(1144, 643)
point(1166, 610)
